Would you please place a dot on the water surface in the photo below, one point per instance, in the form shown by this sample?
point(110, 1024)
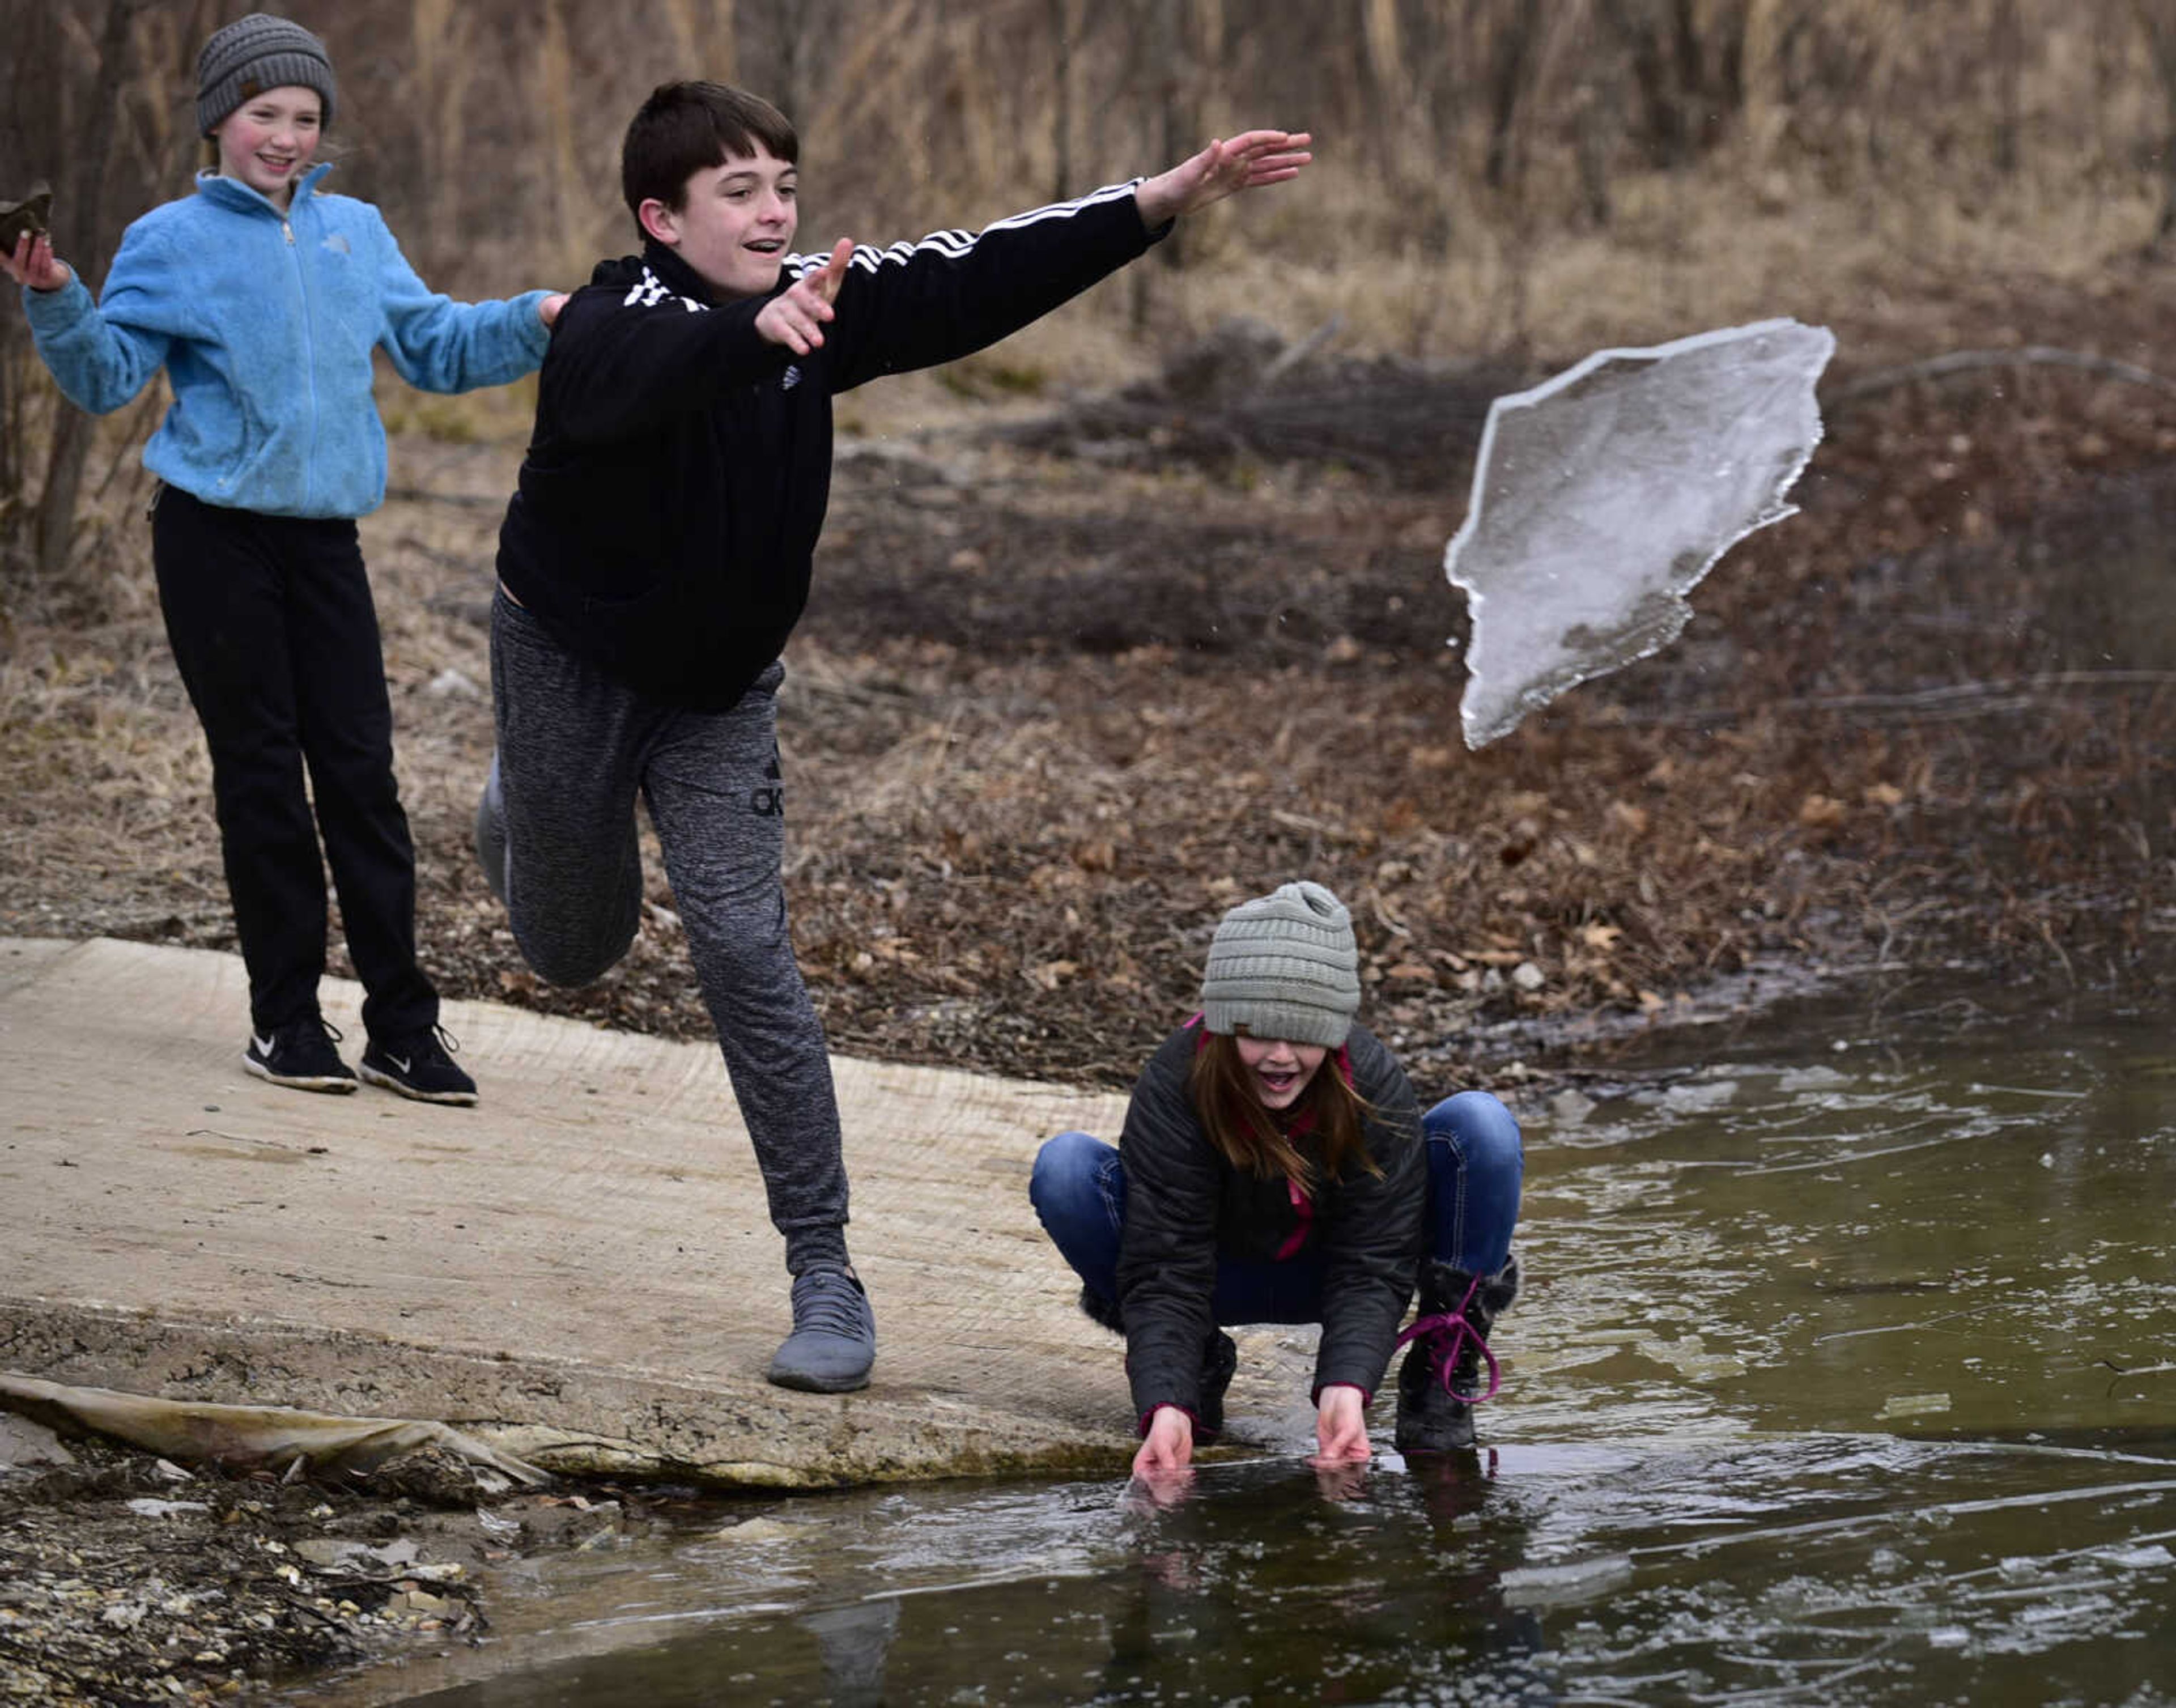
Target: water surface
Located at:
point(1847, 1375)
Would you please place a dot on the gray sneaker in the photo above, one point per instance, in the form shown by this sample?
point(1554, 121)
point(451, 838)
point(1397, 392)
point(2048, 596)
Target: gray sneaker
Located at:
point(835, 1335)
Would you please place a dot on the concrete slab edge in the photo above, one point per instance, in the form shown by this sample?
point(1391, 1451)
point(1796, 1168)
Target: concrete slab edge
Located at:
point(571, 1419)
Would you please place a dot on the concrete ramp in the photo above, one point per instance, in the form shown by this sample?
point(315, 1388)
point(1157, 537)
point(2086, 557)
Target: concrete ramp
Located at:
point(579, 1271)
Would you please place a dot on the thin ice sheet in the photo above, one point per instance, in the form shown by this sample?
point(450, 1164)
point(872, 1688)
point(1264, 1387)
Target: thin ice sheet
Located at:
point(1602, 497)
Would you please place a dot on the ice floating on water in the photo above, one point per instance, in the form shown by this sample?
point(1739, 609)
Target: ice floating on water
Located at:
point(2138, 1558)
point(1914, 1405)
point(1602, 498)
point(1563, 1586)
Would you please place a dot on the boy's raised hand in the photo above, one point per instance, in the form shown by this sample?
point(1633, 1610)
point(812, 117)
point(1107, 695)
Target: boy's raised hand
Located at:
point(1223, 169)
point(34, 262)
point(795, 317)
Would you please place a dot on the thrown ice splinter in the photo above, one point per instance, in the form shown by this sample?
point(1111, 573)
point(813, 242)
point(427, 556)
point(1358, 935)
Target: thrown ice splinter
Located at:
point(1601, 496)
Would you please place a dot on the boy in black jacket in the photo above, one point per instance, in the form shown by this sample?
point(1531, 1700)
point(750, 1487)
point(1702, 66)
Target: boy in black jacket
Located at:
point(657, 554)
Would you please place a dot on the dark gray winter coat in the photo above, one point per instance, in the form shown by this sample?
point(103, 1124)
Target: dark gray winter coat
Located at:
point(1187, 1206)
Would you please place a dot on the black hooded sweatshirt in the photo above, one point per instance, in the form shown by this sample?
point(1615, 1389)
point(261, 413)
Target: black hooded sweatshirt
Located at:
point(676, 483)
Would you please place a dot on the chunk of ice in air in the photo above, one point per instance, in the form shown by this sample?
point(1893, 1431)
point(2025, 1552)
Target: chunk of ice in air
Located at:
point(1601, 496)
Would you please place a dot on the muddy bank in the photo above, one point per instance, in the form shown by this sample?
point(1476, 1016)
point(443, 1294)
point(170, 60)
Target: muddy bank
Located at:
point(1071, 685)
point(126, 1578)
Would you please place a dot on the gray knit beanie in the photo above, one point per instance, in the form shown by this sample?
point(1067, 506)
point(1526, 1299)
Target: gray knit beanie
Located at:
point(1284, 967)
point(254, 54)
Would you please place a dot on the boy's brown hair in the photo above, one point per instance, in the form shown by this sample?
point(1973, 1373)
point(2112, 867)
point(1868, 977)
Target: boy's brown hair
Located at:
point(684, 127)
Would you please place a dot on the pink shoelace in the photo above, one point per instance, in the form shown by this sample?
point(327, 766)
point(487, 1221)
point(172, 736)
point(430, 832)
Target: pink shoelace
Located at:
point(1453, 1327)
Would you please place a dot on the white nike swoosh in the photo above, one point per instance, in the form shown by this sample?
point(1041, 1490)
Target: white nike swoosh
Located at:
point(263, 1045)
point(396, 1061)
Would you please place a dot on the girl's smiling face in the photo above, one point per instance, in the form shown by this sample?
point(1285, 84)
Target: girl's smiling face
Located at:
point(268, 141)
point(1280, 1068)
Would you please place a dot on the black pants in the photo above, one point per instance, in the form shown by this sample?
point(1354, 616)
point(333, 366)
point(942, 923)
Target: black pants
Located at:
point(272, 624)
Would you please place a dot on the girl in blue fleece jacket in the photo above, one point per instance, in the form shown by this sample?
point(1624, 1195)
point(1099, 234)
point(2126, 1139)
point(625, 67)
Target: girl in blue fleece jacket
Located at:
point(263, 300)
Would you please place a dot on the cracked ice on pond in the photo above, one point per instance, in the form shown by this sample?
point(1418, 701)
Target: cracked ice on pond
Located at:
point(1603, 496)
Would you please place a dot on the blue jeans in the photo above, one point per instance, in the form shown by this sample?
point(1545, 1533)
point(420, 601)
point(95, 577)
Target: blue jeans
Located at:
point(1476, 1165)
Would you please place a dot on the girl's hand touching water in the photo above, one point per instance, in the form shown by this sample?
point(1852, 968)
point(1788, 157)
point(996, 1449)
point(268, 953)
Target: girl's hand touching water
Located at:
point(1341, 1426)
point(1166, 1458)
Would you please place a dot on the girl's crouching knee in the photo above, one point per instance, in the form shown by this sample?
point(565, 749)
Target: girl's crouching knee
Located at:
point(1064, 1172)
point(1482, 1130)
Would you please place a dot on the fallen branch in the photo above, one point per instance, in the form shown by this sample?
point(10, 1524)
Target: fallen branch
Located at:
point(1940, 367)
point(1962, 699)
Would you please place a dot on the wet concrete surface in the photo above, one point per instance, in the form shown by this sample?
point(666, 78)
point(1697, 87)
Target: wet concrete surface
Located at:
point(579, 1270)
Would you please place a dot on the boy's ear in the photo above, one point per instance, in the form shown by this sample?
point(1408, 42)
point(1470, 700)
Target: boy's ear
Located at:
point(660, 221)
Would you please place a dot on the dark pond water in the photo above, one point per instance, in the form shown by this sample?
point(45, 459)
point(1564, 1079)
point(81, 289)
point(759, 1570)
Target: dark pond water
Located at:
point(1847, 1375)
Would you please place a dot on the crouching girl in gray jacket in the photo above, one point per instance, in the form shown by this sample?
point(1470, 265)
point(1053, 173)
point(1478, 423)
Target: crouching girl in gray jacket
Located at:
point(1274, 1168)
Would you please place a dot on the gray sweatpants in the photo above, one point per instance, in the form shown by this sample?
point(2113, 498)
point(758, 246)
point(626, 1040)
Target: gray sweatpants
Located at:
point(574, 745)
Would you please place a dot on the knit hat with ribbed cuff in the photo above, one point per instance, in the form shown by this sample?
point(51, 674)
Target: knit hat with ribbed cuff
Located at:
point(1284, 967)
point(254, 54)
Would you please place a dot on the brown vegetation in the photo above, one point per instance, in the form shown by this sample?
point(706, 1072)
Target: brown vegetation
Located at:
point(1521, 176)
point(1106, 638)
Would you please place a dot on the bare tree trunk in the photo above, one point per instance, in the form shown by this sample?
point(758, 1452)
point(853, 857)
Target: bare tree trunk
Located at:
point(1060, 12)
point(11, 420)
point(2158, 19)
point(1510, 74)
point(792, 73)
point(1662, 116)
point(1174, 134)
point(1689, 71)
point(1165, 41)
point(2008, 47)
point(82, 178)
point(1592, 141)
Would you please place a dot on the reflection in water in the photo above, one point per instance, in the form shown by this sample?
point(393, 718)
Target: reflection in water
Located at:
point(852, 1643)
point(1839, 1382)
point(1821, 1569)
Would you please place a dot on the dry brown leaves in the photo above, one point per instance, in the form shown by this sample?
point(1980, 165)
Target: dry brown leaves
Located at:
point(1046, 719)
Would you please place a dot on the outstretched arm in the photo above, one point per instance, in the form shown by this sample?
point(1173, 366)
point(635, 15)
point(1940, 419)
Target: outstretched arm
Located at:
point(1223, 169)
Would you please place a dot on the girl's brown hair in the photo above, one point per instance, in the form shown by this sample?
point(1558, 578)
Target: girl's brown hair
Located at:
point(1262, 1140)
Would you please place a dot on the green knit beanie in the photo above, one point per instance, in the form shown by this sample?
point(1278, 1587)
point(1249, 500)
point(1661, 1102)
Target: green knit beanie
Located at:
point(1284, 967)
point(254, 54)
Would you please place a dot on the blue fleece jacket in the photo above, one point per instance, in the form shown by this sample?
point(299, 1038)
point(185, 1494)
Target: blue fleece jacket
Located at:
point(264, 322)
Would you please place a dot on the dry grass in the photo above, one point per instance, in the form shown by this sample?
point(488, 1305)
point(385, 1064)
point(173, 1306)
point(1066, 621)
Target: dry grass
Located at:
point(1050, 713)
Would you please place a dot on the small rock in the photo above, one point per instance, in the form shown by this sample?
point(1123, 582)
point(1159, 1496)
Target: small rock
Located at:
point(454, 684)
point(146, 1506)
point(24, 1443)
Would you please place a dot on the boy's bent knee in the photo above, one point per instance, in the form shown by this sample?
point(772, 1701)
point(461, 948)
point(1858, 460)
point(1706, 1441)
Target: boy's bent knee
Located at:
point(571, 966)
